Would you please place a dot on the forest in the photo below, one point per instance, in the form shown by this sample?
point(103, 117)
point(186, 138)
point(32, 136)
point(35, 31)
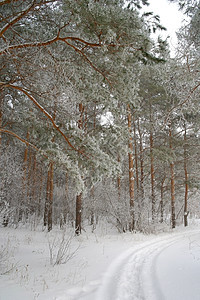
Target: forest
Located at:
point(98, 121)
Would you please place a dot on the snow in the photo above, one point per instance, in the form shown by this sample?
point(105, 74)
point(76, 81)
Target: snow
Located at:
point(182, 261)
point(104, 266)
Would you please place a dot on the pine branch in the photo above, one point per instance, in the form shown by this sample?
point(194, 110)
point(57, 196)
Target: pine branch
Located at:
point(18, 17)
point(182, 103)
point(87, 60)
point(44, 112)
point(7, 2)
point(21, 140)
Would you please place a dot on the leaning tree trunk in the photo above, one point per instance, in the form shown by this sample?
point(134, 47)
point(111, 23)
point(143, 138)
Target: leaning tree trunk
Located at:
point(173, 216)
point(131, 172)
point(186, 181)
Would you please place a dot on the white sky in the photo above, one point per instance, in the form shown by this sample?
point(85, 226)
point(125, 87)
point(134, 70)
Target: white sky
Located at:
point(170, 17)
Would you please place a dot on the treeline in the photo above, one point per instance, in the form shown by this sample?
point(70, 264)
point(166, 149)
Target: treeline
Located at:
point(96, 120)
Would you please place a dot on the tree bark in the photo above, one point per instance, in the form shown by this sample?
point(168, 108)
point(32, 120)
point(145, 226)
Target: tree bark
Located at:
point(79, 197)
point(78, 214)
point(33, 186)
point(1, 116)
point(131, 172)
point(173, 216)
point(50, 200)
point(153, 199)
point(25, 181)
point(48, 209)
point(186, 180)
point(40, 183)
point(46, 200)
point(119, 183)
point(48, 215)
point(66, 208)
point(162, 200)
point(136, 157)
point(141, 166)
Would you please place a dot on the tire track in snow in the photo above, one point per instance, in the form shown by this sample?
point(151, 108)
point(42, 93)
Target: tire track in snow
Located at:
point(131, 275)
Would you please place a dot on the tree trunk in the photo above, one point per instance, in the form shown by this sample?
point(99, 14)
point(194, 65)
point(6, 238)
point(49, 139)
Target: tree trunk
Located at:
point(33, 186)
point(153, 199)
point(78, 214)
point(1, 116)
point(162, 200)
point(173, 216)
point(137, 196)
point(131, 172)
point(79, 197)
point(136, 158)
point(25, 182)
point(92, 217)
point(172, 196)
point(119, 183)
point(40, 184)
point(186, 181)
point(48, 212)
point(141, 166)
point(66, 208)
point(29, 182)
point(5, 217)
point(50, 200)
point(47, 199)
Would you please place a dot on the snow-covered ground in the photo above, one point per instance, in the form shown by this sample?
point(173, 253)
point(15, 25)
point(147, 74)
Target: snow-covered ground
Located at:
point(103, 266)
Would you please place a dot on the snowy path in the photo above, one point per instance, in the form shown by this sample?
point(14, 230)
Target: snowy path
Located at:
point(153, 267)
point(177, 270)
point(166, 268)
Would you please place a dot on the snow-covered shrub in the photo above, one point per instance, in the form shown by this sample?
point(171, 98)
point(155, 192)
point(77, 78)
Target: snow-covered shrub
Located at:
point(60, 247)
point(6, 253)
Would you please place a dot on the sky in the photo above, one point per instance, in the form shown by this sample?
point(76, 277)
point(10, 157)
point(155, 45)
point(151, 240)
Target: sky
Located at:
point(170, 17)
